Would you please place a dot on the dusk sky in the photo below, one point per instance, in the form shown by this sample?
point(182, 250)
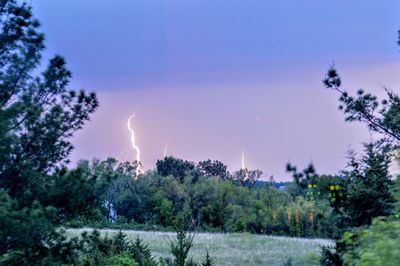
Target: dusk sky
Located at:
point(214, 77)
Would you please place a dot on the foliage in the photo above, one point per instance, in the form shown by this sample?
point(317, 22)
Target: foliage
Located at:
point(212, 169)
point(369, 186)
point(22, 227)
point(120, 260)
point(368, 192)
point(38, 114)
point(247, 177)
point(177, 168)
point(207, 261)
point(141, 253)
point(98, 250)
point(209, 203)
point(382, 117)
point(376, 245)
point(181, 246)
point(329, 257)
point(27, 236)
point(304, 178)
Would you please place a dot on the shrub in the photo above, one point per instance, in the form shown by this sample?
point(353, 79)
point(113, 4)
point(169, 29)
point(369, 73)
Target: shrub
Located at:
point(377, 245)
point(123, 259)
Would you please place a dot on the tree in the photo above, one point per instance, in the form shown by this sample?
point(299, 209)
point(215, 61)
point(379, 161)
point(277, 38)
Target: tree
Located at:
point(38, 114)
point(376, 245)
point(181, 246)
point(368, 192)
point(369, 186)
point(207, 261)
point(247, 177)
point(382, 117)
point(212, 169)
point(304, 178)
point(177, 168)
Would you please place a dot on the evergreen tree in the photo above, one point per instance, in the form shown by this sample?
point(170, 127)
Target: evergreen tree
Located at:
point(38, 114)
point(142, 254)
point(208, 261)
point(382, 117)
point(369, 184)
point(181, 247)
point(368, 193)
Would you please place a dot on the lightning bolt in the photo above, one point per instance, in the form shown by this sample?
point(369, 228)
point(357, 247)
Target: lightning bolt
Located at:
point(165, 149)
point(243, 160)
point(134, 146)
point(246, 174)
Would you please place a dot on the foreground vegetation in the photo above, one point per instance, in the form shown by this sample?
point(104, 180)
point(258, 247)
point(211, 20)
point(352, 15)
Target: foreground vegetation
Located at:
point(233, 248)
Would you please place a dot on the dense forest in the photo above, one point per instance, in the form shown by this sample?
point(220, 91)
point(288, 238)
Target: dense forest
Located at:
point(40, 196)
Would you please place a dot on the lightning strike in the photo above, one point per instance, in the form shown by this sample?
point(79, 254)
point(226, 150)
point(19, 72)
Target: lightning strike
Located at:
point(243, 167)
point(134, 146)
point(165, 150)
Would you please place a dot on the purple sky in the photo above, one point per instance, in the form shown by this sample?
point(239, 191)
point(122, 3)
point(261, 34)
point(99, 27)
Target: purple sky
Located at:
point(212, 78)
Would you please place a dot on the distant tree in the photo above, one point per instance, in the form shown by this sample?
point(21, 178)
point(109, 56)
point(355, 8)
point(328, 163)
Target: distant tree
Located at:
point(247, 177)
point(177, 168)
point(212, 169)
point(84, 191)
point(217, 210)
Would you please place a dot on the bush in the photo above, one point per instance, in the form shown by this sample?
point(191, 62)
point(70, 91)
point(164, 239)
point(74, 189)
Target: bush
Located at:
point(123, 259)
point(377, 245)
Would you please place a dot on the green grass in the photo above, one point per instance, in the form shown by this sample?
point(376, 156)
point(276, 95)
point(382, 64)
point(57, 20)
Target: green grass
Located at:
point(233, 248)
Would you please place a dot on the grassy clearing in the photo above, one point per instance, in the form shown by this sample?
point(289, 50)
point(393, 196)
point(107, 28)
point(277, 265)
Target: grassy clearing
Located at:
point(233, 249)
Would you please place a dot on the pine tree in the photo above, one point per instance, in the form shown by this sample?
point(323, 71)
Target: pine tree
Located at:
point(208, 261)
point(369, 191)
point(142, 254)
point(38, 114)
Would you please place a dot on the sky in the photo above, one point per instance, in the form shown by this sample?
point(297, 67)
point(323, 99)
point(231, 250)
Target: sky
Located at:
point(214, 78)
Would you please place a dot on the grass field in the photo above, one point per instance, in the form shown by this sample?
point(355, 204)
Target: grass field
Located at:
point(234, 249)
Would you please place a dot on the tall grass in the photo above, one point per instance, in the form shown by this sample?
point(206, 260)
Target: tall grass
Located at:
point(233, 248)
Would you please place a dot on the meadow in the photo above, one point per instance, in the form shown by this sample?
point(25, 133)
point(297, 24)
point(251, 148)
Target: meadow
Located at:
point(233, 248)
